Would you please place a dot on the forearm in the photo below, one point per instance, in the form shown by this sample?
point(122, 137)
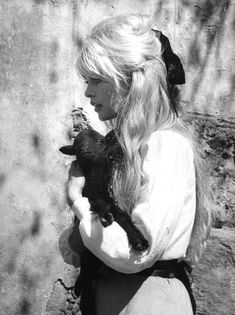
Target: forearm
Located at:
point(110, 244)
point(80, 206)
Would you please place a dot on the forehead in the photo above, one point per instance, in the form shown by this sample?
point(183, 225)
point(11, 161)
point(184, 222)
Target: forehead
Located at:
point(93, 63)
point(87, 66)
point(86, 74)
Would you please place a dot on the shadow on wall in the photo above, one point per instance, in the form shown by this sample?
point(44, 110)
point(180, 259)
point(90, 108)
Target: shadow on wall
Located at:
point(27, 281)
point(28, 240)
point(211, 17)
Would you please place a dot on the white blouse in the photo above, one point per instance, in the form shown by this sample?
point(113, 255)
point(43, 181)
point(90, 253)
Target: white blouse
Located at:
point(165, 218)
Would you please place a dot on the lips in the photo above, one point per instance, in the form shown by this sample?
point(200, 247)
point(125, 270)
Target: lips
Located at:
point(98, 107)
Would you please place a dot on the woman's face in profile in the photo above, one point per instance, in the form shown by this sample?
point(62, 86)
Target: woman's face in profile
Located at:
point(100, 92)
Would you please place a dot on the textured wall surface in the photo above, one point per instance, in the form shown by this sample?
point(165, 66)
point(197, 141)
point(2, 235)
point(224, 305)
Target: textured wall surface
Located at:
point(39, 41)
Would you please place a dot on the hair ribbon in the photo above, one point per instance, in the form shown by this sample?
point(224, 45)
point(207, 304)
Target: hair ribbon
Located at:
point(174, 67)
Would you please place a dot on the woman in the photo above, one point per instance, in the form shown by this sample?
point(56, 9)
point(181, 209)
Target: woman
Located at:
point(158, 181)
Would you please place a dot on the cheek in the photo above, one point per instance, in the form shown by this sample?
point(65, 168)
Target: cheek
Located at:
point(108, 98)
point(112, 105)
point(115, 101)
point(109, 89)
point(109, 93)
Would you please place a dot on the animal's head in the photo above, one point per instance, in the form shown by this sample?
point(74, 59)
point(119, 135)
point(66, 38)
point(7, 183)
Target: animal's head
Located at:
point(88, 144)
point(88, 147)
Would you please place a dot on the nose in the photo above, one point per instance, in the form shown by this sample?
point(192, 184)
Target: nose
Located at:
point(89, 91)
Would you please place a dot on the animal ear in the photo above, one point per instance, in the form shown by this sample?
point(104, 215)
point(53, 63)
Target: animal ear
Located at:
point(68, 150)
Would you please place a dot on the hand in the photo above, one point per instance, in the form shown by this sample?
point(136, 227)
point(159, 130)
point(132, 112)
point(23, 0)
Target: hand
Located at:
point(76, 183)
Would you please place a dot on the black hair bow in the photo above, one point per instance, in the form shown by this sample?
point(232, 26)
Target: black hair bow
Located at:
point(174, 67)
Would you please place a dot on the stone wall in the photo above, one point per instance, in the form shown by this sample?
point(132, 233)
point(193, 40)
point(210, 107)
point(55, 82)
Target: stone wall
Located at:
point(39, 41)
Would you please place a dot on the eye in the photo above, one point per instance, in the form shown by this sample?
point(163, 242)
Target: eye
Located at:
point(92, 80)
point(85, 79)
point(96, 80)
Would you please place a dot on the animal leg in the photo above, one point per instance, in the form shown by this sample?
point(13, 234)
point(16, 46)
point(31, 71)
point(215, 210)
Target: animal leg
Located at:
point(104, 208)
point(135, 237)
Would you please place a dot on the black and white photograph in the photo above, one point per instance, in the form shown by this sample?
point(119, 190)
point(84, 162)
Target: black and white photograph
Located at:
point(117, 157)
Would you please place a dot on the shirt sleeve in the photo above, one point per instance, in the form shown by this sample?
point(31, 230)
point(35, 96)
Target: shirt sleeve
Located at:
point(165, 217)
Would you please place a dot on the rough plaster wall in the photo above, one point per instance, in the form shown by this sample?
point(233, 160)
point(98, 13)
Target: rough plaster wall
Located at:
point(36, 74)
point(39, 41)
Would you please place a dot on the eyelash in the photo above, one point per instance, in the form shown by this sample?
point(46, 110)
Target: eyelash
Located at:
point(95, 81)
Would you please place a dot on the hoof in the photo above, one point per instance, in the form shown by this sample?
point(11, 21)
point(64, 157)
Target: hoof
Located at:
point(104, 222)
point(141, 246)
point(107, 219)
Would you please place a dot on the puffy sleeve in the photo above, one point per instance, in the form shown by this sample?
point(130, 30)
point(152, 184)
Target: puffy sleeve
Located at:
point(165, 217)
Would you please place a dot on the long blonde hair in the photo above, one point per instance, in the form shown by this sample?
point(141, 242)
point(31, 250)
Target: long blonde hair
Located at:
point(126, 51)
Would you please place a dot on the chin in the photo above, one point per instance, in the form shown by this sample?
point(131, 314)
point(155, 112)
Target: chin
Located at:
point(104, 118)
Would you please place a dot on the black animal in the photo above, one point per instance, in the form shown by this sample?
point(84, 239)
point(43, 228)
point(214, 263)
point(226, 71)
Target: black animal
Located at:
point(97, 156)
point(96, 159)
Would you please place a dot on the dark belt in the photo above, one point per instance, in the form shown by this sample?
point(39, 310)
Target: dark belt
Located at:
point(169, 266)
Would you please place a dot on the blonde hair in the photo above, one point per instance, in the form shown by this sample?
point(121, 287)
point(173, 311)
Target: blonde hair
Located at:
point(126, 51)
